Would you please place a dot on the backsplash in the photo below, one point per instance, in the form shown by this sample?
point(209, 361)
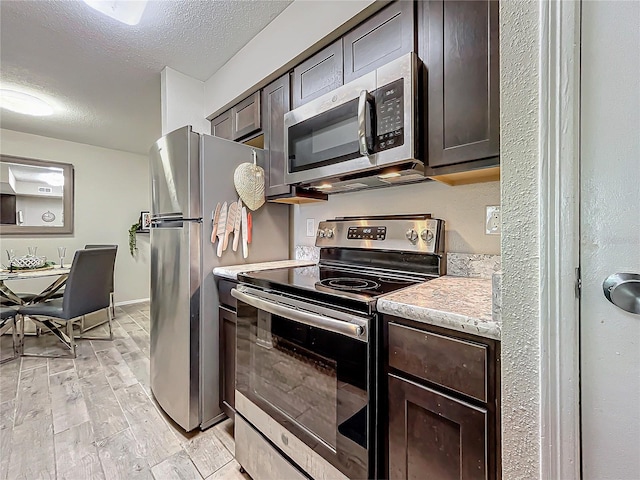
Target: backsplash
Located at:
point(461, 207)
point(307, 252)
point(477, 265)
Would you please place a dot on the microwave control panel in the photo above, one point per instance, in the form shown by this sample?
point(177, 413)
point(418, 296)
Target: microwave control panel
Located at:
point(389, 119)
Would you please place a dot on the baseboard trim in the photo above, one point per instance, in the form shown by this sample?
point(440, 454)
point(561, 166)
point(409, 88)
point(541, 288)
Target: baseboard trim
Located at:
point(130, 302)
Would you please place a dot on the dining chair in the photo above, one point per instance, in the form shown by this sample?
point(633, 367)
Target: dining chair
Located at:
point(112, 304)
point(8, 319)
point(24, 297)
point(87, 291)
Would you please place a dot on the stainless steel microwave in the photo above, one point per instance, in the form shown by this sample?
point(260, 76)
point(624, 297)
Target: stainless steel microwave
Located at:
point(367, 124)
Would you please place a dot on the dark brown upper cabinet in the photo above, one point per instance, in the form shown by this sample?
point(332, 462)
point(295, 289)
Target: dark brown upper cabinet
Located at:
point(387, 35)
point(245, 117)
point(318, 75)
point(221, 126)
point(458, 43)
point(275, 103)
point(240, 121)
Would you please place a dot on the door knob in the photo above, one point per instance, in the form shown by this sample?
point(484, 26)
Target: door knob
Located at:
point(623, 290)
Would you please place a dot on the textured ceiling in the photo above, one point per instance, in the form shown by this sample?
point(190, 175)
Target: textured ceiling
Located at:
point(103, 77)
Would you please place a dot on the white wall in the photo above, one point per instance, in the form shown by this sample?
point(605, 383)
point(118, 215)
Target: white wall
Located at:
point(462, 208)
point(111, 188)
point(521, 205)
point(33, 207)
point(182, 99)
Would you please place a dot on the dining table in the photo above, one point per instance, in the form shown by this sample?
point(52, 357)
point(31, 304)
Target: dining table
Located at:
point(58, 274)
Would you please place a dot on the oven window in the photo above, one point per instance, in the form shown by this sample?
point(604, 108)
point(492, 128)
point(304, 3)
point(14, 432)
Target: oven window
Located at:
point(291, 377)
point(327, 138)
point(312, 381)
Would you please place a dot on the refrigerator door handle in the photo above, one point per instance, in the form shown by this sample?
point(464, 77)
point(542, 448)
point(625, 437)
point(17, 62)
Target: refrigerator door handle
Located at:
point(157, 223)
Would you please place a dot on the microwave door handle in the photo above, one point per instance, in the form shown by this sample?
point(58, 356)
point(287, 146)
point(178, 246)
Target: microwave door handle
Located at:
point(365, 98)
point(352, 330)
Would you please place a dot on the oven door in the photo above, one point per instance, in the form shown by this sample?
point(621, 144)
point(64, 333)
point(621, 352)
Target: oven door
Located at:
point(310, 373)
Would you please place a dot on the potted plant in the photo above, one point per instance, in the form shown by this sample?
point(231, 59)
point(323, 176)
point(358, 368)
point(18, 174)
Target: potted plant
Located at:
point(132, 237)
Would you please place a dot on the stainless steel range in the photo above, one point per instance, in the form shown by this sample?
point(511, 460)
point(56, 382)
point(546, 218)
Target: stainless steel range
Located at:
point(307, 342)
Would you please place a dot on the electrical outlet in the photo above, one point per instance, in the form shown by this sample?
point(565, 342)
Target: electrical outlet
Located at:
point(311, 229)
point(493, 220)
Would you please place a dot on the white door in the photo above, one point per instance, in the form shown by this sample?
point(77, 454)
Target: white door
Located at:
point(610, 237)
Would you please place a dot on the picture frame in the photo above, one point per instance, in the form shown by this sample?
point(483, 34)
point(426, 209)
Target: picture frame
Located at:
point(145, 221)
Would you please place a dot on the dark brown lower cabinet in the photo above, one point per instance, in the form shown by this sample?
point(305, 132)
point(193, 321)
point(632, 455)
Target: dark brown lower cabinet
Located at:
point(443, 403)
point(228, 360)
point(435, 436)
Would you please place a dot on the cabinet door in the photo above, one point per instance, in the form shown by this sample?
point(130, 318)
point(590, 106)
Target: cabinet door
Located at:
point(432, 435)
point(317, 75)
point(227, 360)
point(459, 46)
point(245, 117)
point(221, 126)
point(276, 101)
point(384, 37)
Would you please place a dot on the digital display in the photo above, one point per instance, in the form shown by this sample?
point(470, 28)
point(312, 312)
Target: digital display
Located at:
point(367, 233)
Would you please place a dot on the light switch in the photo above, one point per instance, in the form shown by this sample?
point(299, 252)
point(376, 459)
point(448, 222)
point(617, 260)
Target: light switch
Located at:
point(311, 229)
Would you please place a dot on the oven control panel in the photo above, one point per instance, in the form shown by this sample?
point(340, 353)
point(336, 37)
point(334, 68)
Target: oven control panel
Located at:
point(367, 233)
point(423, 235)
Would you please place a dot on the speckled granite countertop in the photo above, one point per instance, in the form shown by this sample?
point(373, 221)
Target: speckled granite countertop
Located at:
point(232, 271)
point(459, 303)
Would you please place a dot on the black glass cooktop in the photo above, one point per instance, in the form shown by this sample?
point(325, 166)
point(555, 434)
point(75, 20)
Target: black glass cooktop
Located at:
point(318, 281)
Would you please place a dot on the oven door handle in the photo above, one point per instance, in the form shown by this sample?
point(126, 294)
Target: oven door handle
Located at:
point(353, 330)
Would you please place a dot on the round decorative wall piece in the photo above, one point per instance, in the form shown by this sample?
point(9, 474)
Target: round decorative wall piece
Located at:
point(48, 216)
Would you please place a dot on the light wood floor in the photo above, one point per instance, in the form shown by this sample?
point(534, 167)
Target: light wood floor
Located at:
point(95, 418)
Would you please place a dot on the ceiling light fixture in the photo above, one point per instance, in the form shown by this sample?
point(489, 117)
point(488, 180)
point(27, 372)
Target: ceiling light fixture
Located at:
point(20, 102)
point(125, 11)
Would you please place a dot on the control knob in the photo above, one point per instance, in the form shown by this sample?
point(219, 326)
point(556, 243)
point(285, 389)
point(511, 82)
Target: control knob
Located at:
point(426, 235)
point(328, 232)
point(321, 233)
point(412, 235)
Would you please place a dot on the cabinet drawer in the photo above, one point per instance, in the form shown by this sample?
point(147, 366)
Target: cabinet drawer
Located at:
point(224, 293)
point(452, 363)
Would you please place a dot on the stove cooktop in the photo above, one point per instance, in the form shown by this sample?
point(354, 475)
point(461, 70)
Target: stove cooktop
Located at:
point(330, 284)
point(361, 259)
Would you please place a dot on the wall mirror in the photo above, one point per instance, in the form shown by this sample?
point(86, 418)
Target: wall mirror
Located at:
point(36, 197)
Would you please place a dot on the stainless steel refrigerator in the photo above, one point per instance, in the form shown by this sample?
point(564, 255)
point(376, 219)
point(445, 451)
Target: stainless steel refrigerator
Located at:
point(190, 174)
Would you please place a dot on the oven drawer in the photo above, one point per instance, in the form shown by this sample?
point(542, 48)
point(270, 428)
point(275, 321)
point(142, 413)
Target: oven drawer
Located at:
point(258, 457)
point(452, 363)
